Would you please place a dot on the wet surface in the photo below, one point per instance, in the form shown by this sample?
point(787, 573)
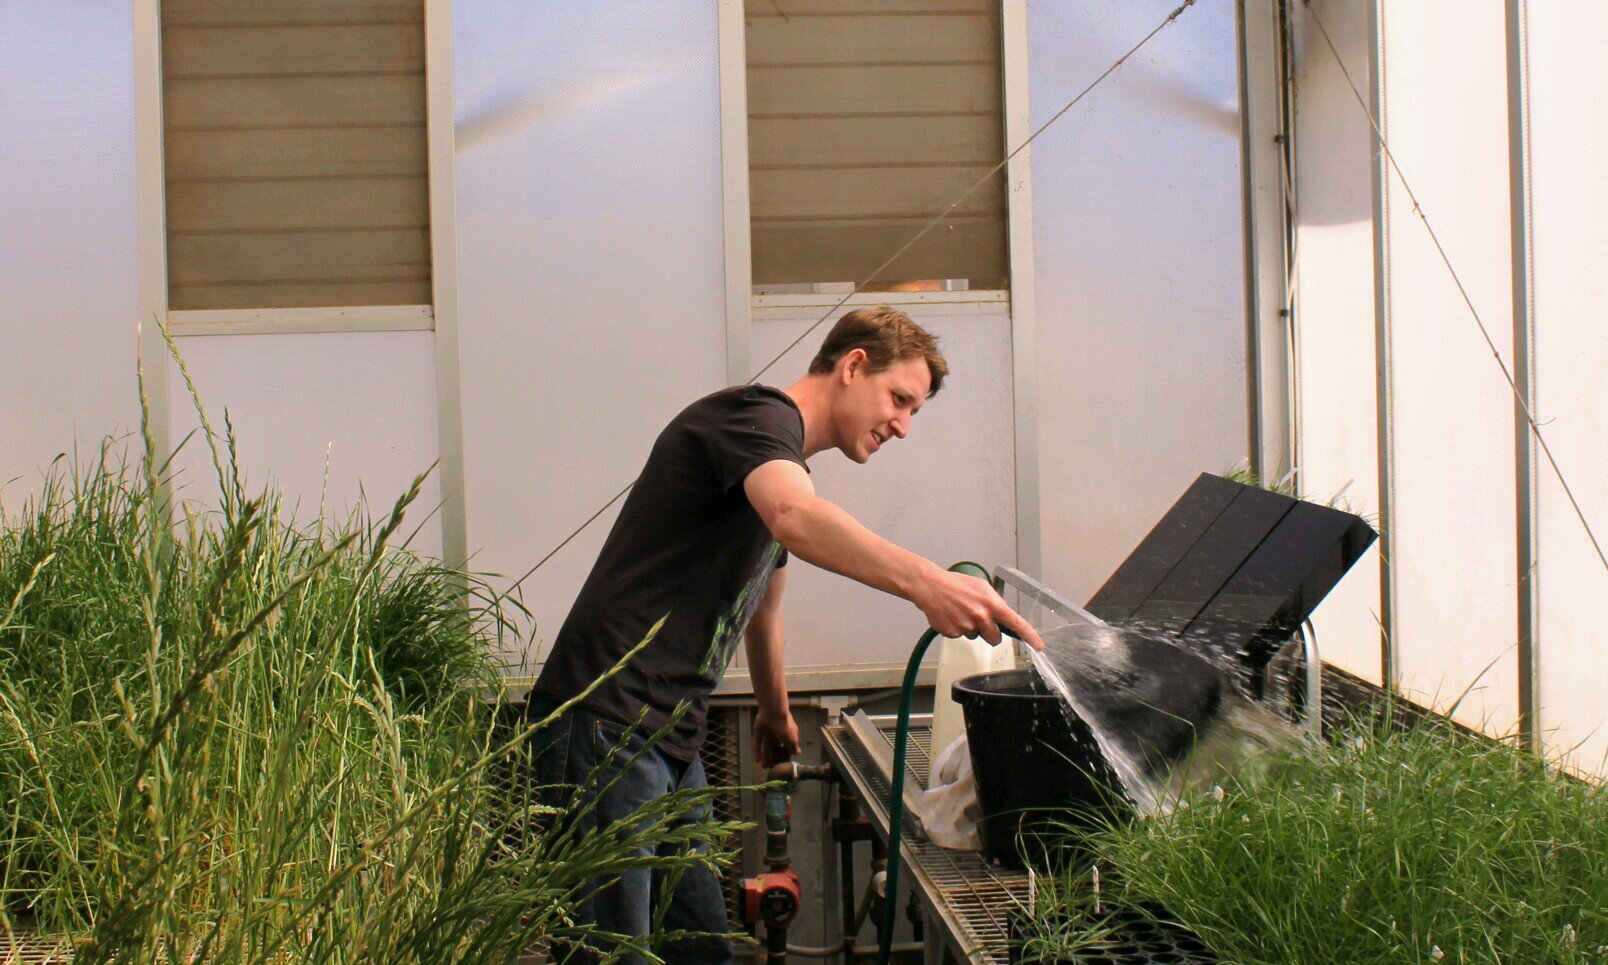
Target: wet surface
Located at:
point(1281, 582)
point(1233, 569)
point(1163, 717)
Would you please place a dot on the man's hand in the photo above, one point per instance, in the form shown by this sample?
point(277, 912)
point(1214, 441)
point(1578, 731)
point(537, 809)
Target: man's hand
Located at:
point(775, 738)
point(957, 605)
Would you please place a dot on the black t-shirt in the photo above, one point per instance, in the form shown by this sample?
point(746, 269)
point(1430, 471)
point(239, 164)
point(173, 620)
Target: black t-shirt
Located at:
point(687, 546)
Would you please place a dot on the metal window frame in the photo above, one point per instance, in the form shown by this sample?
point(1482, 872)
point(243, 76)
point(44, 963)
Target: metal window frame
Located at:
point(1384, 358)
point(151, 204)
point(1264, 161)
point(1531, 728)
point(742, 304)
point(440, 317)
point(1023, 316)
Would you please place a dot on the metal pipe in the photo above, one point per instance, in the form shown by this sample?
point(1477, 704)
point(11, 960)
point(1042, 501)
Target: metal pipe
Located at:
point(1524, 375)
point(1044, 596)
point(778, 823)
point(852, 951)
point(848, 813)
point(871, 904)
point(776, 827)
point(792, 772)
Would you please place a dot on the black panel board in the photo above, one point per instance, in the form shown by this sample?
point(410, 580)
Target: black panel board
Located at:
point(1282, 582)
point(1161, 550)
point(1212, 561)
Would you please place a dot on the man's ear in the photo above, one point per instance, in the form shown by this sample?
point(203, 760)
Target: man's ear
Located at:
point(853, 363)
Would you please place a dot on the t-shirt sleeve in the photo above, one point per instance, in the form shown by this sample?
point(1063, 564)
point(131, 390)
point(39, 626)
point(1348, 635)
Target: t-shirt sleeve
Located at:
point(754, 430)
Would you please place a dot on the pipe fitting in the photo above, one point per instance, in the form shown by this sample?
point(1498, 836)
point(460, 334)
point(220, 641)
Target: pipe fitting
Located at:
point(791, 773)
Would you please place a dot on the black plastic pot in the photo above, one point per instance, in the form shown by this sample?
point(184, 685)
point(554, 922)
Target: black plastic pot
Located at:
point(1134, 938)
point(1039, 771)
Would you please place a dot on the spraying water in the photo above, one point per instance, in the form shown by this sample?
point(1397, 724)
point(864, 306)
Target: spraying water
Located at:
point(1164, 717)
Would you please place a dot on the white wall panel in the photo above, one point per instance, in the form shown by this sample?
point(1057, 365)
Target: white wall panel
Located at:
point(591, 260)
point(1334, 312)
point(68, 241)
point(1569, 144)
point(361, 404)
point(1446, 123)
point(947, 491)
point(1139, 277)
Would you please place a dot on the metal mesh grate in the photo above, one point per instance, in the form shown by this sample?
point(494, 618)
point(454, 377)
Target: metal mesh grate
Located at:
point(972, 897)
point(21, 948)
point(723, 764)
point(977, 900)
point(514, 778)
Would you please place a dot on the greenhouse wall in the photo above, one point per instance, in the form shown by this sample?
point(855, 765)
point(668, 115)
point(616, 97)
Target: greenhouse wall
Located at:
point(572, 294)
point(590, 248)
point(69, 227)
point(1336, 406)
point(1138, 269)
point(1392, 359)
point(1568, 141)
point(1451, 441)
point(592, 296)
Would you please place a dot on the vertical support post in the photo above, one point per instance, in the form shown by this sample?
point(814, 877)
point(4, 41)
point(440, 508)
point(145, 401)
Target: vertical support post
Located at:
point(1024, 343)
point(734, 182)
point(443, 185)
point(1524, 448)
point(1264, 140)
point(151, 204)
point(1390, 672)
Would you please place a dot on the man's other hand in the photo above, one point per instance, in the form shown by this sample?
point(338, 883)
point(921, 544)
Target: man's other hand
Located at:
point(775, 738)
point(957, 605)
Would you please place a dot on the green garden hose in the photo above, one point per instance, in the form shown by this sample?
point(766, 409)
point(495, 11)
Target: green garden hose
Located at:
point(896, 801)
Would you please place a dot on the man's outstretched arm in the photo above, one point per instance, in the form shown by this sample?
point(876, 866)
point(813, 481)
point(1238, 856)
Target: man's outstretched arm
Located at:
point(775, 733)
point(823, 533)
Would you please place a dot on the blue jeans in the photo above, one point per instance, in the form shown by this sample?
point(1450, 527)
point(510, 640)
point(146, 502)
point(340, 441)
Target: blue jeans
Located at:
point(565, 753)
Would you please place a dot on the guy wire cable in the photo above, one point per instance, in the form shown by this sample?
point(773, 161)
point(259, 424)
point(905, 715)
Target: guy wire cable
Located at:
point(947, 210)
point(1524, 404)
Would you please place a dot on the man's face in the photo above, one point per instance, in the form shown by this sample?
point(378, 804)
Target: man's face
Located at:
point(875, 407)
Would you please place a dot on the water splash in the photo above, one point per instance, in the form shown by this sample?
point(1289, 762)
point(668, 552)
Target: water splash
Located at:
point(1165, 718)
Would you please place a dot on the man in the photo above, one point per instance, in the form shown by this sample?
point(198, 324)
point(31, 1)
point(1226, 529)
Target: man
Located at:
point(702, 542)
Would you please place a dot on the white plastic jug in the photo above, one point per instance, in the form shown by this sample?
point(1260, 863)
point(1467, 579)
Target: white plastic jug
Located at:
point(959, 658)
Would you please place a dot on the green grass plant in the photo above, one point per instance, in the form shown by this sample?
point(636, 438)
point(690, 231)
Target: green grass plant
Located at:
point(225, 736)
point(1384, 845)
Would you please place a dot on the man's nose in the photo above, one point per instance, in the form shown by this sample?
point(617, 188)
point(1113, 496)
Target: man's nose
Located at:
point(900, 426)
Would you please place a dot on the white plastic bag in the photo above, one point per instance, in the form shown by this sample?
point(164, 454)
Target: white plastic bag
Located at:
point(949, 810)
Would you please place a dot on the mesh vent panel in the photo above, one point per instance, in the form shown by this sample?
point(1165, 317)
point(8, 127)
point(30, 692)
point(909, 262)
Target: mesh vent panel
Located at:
point(723, 762)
